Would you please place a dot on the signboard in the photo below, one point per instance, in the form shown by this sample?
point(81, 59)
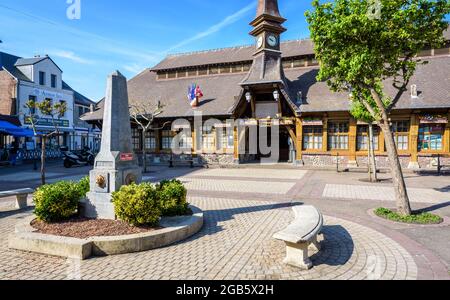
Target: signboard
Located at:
point(430, 119)
point(126, 156)
point(312, 123)
point(48, 122)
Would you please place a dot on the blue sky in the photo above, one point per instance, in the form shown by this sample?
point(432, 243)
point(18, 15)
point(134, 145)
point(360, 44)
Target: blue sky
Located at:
point(129, 35)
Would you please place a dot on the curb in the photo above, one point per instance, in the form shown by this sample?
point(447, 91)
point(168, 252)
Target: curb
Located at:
point(175, 230)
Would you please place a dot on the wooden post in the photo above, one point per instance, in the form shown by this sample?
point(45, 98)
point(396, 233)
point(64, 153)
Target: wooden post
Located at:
point(194, 140)
point(414, 138)
point(236, 144)
point(446, 140)
point(353, 128)
point(299, 144)
point(325, 134)
point(158, 141)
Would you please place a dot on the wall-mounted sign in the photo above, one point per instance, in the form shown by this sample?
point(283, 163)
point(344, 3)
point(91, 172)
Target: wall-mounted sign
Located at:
point(316, 122)
point(48, 122)
point(433, 119)
point(47, 94)
point(126, 156)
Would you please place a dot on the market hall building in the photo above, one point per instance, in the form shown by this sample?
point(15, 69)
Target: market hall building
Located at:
point(277, 80)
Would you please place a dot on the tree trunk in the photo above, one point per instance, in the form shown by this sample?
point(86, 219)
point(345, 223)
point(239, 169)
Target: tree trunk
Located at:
point(372, 162)
point(43, 155)
point(144, 156)
point(401, 194)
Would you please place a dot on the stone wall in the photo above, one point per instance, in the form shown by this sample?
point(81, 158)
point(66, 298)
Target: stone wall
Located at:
point(199, 160)
point(382, 161)
point(7, 93)
point(324, 160)
point(431, 162)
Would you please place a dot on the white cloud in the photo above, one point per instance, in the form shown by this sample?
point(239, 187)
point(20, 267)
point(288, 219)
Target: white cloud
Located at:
point(217, 27)
point(134, 68)
point(71, 56)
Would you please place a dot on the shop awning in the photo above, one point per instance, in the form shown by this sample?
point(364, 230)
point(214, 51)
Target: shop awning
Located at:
point(10, 129)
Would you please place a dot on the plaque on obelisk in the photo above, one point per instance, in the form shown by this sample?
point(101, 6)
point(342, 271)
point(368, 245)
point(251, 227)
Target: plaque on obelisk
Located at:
point(115, 165)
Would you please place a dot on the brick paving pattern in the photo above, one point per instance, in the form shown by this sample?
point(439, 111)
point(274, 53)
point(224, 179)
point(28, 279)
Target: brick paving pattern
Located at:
point(243, 209)
point(382, 193)
point(235, 243)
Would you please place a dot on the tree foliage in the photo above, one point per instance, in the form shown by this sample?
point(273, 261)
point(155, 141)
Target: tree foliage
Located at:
point(359, 49)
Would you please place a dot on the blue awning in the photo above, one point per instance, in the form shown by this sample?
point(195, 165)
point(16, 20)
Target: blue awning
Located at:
point(11, 129)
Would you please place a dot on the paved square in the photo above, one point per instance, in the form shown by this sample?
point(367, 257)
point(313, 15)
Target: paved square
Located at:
point(382, 193)
point(255, 173)
point(268, 187)
point(235, 243)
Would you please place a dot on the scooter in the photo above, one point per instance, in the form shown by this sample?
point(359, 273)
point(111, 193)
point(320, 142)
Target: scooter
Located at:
point(71, 159)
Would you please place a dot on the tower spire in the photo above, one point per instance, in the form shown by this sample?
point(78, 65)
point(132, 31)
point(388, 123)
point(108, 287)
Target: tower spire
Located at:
point(268, 7)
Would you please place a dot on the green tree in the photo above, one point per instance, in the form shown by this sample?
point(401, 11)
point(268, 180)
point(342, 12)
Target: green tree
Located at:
point(363, 45)
point(359, 112)
point(47, 109)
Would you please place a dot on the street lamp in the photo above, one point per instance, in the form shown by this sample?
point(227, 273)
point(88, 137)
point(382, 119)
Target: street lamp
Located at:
point(248, 97)
point(276, 95)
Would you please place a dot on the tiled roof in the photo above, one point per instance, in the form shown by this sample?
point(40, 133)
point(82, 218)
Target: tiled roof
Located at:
point(221, 92)
point(230, 55)
point(432, 80)
point(7, 62)
point(29, 61)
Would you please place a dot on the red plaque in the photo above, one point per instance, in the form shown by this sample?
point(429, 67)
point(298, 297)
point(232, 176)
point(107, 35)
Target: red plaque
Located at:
point(126, 156)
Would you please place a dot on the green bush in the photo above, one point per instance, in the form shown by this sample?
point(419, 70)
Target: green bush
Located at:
point(415, 218)
point(56, 202)
point(172, 197)
point(84, 186)
point(137, 204)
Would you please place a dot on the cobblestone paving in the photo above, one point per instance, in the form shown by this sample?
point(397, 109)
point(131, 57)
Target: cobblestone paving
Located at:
point(252, 173)
point(247, 186)
point(235, 243)
point(381, 193)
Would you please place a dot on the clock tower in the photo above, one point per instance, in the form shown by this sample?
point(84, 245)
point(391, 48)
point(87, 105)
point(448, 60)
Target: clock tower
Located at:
point(267, 30)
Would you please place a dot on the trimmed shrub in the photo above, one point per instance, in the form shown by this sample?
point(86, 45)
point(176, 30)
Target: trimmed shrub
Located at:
point(172, 197)
point(137, 204)
point(84, 186)
point(56, 202)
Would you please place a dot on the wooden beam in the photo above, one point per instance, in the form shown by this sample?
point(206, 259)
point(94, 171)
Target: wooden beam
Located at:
point(299, 143)
point(414, 139)
point(353, 131)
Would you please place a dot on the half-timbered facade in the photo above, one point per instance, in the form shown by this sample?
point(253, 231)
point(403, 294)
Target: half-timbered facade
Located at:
point(275, 80)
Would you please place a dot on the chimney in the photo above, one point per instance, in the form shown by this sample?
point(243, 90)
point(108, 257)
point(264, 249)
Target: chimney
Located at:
point(414, 93)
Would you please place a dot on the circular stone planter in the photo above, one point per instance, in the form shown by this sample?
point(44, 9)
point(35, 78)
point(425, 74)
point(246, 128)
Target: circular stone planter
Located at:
point(175, 229)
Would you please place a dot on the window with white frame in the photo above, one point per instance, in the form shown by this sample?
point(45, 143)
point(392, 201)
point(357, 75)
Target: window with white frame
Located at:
point(208, 138)
point(400, 130)
point(166, 140)
point(362, 142)
point(150, 140)
point(338, 135)
point(312, 137)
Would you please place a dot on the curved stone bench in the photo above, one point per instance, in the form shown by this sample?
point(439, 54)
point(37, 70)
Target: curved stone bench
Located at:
point(300, 235)
point(21, 196)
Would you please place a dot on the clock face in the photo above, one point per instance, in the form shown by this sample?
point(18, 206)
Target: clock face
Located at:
point(259, 42)
point(272, 40)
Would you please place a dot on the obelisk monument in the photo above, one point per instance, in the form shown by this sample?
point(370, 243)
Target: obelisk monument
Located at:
point(115, 165)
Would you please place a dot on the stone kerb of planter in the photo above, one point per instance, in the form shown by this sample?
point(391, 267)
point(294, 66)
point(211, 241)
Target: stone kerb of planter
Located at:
point(175, 229)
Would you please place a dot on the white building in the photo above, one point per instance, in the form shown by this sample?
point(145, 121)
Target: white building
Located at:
point(39, 78)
